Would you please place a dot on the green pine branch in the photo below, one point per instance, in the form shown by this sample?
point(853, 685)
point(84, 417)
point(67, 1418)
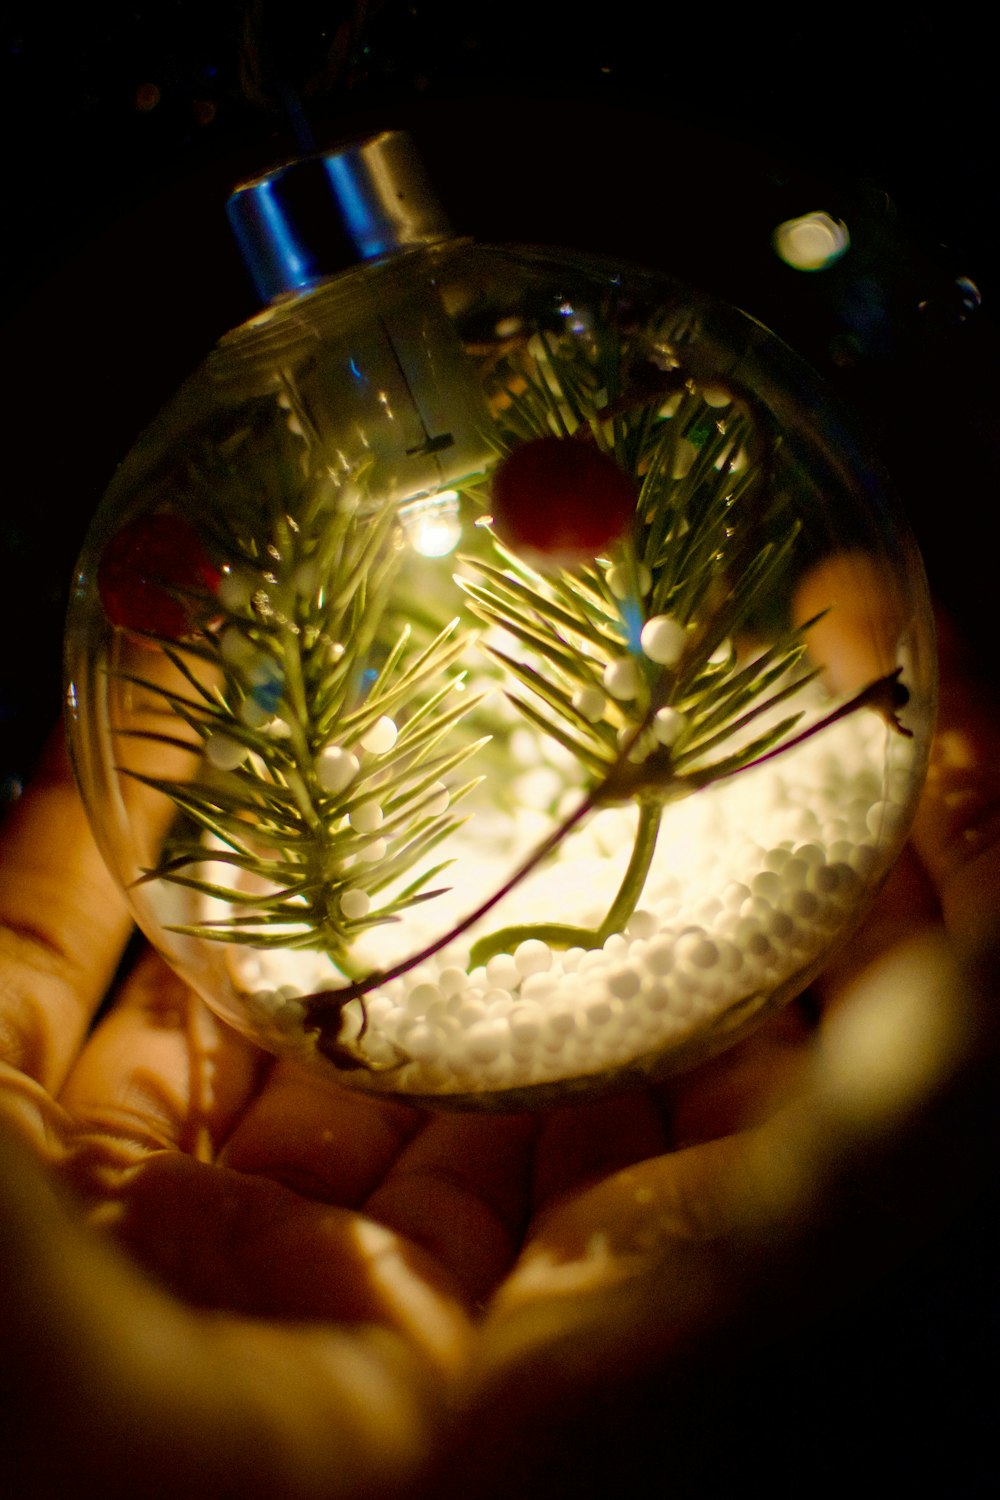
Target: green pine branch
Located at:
point(300, 661)
point(708, 549)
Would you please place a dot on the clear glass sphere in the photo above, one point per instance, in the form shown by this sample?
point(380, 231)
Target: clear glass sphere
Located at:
point(496, 676)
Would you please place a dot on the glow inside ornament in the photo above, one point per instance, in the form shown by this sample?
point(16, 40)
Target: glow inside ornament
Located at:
point(487, 814)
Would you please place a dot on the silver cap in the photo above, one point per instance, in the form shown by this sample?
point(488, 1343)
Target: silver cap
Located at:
point(319, 215)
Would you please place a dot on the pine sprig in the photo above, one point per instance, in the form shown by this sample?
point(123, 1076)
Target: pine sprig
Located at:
point(322, 740)
point(709, 545)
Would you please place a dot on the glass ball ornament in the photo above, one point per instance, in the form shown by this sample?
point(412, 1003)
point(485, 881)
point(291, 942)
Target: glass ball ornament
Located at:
point(497, 676)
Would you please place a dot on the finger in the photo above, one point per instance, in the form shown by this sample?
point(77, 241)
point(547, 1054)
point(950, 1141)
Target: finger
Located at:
point(860, 616)
point(158, 1072)
point(264, 1251)
point(113, 1388)
point(589, 1141)
point(63, 925)
point(743, 1086)
point(957, 828)
point(310, 1133)
point(460, 1190)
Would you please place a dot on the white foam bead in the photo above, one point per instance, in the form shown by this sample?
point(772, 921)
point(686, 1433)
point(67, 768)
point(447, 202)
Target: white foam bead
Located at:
point(621, 679)
point(863, 859)
point(826, 879)
point(560, 1021)
point(572, 959)
point(884, 818)
point(452, 980)
point(616, 945)
point(525, 1023)
point(380, 1052)
point(595, 959)
point(380, 738)
point(456, 1002)
point(703, 954)
point(419, 1040)
point(373, 851)
point(470, 1012)
point(767, 885)
point(751, 937)
point(589, 702)
point(620, 577)
point(487, 1039)
point(656, 998)
point(833, 832)
point(532, 957)
point(662, 639)
point(681, 1002)
point(795, 873)
point(355, 903)
point(498, 1002)
point(225, 753)
point(598, 1010)
point(813, 854)
point(421, 997)
point(380, 1008)
point(667, 725)
point(660, 955)
point(856, 813)
point(625, 982)
point(253, 715)
point(441, 800)
point(642, 924)
point(735, 894)
point(502, 972)
point(780, 928)
point(757, 908)
point(336, 768)
point(805, 905)
point(497, 1071)
point(366, 817)
point(539, 986)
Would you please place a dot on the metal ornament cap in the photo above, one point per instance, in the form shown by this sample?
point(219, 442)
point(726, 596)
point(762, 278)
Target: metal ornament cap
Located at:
point(319, 215)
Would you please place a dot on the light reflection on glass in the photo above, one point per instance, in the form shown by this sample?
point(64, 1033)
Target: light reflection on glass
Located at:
point(812, 242)
point(432, 524)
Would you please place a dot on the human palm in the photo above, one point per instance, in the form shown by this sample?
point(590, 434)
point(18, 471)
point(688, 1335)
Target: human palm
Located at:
point(317, 1284)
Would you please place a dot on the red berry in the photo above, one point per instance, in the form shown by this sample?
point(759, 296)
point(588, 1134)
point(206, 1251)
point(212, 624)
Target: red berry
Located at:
point(141, 567)
point(561, 499)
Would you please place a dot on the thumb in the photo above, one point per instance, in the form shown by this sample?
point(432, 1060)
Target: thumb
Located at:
point(107, 1386)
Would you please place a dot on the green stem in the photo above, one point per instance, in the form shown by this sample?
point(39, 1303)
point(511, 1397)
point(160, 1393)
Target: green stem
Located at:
point(558, 935)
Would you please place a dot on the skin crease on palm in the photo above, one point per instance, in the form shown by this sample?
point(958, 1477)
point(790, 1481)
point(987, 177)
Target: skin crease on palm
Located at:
point(311, 1289)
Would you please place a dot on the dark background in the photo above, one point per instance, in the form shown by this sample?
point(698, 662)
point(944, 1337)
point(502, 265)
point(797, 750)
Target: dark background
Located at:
point(677, 139)
point(674, 138)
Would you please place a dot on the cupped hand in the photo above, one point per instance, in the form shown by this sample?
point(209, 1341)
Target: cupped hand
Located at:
point(223, 1275)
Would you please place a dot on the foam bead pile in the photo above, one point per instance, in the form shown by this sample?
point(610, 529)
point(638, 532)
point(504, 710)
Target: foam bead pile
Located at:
point(732, 916)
